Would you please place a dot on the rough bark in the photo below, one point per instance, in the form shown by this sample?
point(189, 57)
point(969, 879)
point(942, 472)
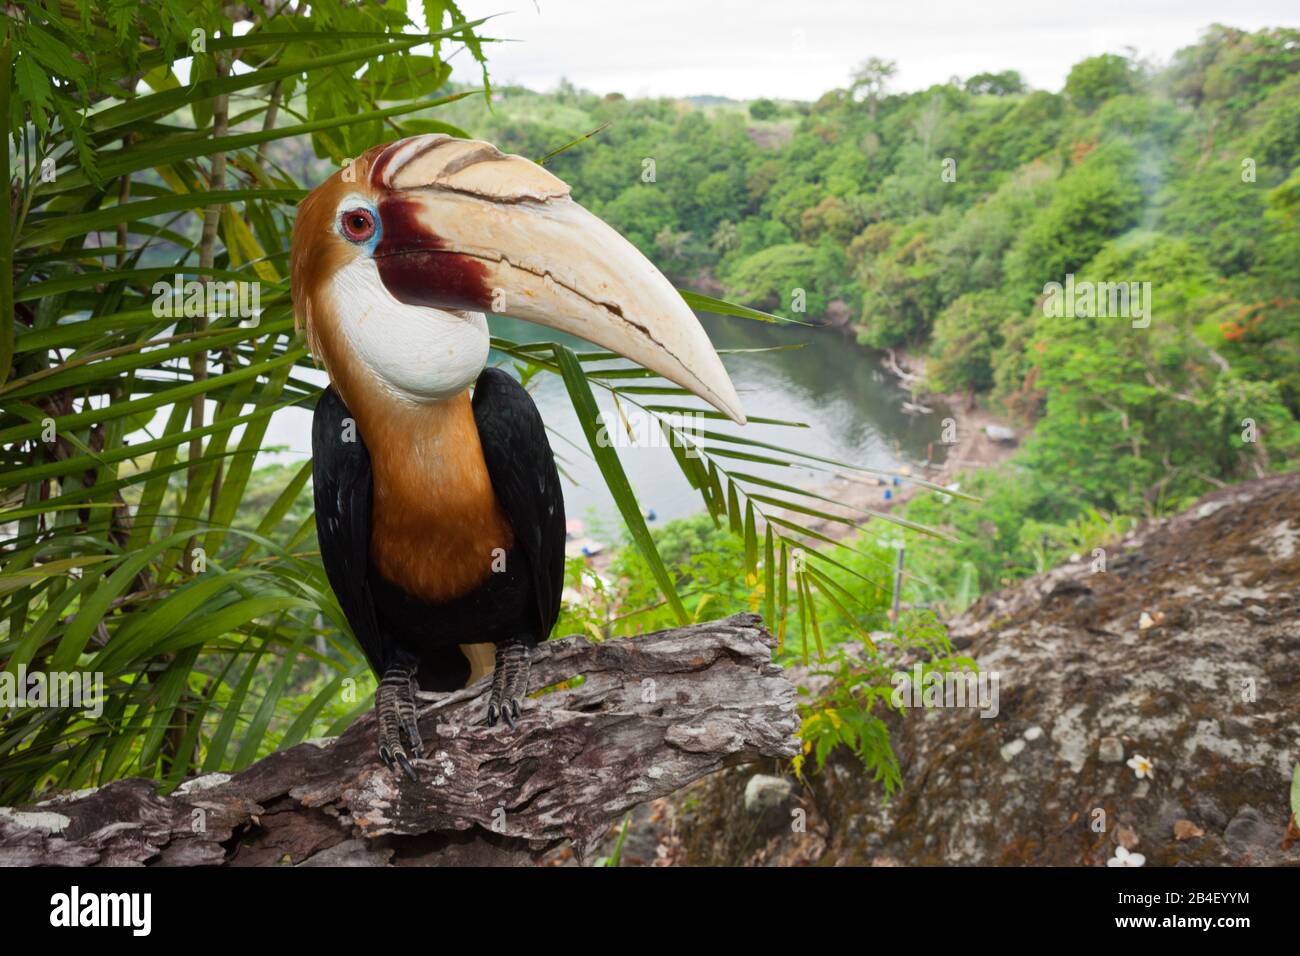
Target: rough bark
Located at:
point(654, 713)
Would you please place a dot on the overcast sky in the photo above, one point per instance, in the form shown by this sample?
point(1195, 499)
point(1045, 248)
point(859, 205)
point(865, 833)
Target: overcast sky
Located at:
point(749, 48)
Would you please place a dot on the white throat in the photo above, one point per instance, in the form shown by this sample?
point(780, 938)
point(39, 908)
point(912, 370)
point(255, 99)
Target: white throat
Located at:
point(419, 354)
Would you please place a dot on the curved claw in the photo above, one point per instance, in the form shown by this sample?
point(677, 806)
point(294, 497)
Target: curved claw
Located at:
point(510, 719)
point(407, 768)
point(411, 728)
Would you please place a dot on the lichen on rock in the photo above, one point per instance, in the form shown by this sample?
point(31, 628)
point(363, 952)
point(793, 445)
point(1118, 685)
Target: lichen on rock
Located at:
point(1208, 696)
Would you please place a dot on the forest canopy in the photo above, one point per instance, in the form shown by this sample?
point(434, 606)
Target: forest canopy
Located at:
point(934, 221)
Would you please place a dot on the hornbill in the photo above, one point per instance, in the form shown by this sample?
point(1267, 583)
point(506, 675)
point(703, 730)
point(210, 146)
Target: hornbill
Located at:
point(440, 516)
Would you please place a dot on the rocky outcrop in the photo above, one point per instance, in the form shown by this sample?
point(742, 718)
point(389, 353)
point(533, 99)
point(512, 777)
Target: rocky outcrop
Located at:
point(1177, 651)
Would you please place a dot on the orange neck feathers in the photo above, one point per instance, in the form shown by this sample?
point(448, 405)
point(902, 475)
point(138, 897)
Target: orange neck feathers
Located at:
point(436, 524)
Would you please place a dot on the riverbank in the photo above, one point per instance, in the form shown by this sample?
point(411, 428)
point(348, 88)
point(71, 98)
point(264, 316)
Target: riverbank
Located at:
point(970, 450)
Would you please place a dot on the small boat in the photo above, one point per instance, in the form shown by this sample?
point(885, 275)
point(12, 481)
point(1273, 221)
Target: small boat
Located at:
point(584, 547)
point(1000, 433)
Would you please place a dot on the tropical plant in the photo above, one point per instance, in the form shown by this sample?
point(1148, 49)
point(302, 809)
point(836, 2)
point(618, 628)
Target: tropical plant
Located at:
point(143, 138)
point(165, 142)
point(851, 711)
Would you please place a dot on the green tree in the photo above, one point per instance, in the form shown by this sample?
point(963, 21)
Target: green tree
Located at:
point(769, 278)
point(870, 80)
point(900, 294)
point(1006, 83)
point(1093, 81)
point(1142, 420)
point(1024, 131)
point(1093, 201)
point(966, 334)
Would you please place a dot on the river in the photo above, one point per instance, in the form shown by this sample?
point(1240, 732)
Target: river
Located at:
point(852, 406)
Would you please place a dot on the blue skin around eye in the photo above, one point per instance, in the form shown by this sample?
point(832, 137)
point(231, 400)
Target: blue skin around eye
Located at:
point(370, 244)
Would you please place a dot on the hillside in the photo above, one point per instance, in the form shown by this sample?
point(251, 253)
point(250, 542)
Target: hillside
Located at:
point(936, 222)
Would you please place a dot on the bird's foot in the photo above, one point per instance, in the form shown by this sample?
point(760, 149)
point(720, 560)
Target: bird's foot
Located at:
point(396, 712)
point(509, 683)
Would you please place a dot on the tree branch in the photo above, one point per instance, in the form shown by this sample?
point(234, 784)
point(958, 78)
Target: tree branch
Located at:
point(654, 713)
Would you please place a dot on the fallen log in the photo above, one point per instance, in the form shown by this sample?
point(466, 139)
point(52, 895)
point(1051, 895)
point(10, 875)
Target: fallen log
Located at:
point(653, 714)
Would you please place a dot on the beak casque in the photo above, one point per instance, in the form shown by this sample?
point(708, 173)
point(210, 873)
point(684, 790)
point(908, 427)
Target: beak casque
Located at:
point(466, 225)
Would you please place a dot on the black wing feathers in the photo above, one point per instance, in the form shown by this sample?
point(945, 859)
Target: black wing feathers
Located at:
point(526, 482)
point(341, 480)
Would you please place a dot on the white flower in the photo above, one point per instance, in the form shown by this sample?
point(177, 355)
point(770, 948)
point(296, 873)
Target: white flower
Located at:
point(1123, 857)
point(1142, 767)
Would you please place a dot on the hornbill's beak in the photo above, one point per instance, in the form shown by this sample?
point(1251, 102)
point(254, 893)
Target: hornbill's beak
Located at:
point(466, 226)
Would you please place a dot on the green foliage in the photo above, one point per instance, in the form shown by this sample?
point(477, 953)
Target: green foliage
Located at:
point(1274, 143)
point(849, 712)
point(1092, 202)
point(1093, 81)
point(1158, 394)
point(972, 252)
point(768, 278)
point(1123, 176)
point(1022, 526)
point(1208, 208)
point(1230, 70)
point(1029, 129)
point(900, 286)
point(966, 334)
point(1006, 83)
point(139, 543)
point(190, 585)
point(707, 564)
point(990, 536)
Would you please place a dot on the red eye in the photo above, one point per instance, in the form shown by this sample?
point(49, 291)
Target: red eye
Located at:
point(358, 224)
